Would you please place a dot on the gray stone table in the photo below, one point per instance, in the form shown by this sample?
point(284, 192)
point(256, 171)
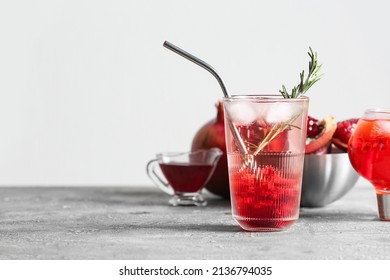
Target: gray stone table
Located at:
point(137, 223)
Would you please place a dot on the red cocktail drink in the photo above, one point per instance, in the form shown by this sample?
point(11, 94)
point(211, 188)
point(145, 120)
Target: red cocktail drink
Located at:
point(369, 153)
point(265, 142)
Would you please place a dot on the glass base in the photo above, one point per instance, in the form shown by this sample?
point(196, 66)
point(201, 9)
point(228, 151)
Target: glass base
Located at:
point(193, 199)
point(251, 224)
point(383, 206)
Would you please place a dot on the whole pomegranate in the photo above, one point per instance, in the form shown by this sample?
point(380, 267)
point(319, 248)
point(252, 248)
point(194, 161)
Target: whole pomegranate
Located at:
point(212, 135)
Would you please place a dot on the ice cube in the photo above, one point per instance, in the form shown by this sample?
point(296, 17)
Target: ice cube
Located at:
point(242, 113)
point(282, 112)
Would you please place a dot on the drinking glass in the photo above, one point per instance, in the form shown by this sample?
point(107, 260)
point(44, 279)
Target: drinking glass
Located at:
point(369, 153)
point(265, 141)
point(183, 175)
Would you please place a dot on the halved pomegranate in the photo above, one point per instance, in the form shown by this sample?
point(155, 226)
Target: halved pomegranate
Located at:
point(319, 135)
point(314, 127)
point(343, 133)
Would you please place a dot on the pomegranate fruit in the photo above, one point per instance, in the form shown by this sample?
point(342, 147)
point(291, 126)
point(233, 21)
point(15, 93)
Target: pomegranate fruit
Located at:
point(212, 135)
point(319, 135)
point(343, 133)
point(314, 127)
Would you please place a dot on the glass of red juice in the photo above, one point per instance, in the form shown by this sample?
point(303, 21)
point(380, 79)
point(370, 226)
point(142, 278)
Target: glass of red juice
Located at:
point(183, 175)
point(369, 153)
point(265, 143)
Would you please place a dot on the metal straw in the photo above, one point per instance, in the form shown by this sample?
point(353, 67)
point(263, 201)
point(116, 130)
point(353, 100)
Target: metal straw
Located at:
point(199, 62)
point(206, 66)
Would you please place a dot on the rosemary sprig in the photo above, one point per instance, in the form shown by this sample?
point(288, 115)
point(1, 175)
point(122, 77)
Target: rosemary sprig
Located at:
point(310, 80)
point(274, 132)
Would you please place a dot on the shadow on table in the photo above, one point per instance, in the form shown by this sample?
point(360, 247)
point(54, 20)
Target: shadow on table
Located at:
point(179, 227)
point(150, 197)
point(317, 216)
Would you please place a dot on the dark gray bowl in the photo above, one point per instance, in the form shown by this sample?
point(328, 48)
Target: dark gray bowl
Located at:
point(326, 178)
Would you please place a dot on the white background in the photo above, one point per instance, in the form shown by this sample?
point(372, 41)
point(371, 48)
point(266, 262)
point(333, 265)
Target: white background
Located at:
point(88, 94)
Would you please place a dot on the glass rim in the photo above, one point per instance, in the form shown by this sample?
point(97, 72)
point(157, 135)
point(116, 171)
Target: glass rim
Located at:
point(377, 114)
point(178, 154)
point(264, 98)
point(377, 111)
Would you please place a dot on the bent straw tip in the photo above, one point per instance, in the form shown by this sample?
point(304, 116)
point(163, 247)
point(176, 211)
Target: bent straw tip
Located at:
point(166, 43)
